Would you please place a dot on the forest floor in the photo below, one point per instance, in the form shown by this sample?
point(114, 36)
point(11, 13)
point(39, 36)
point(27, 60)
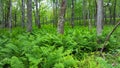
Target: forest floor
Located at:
point(45, 48)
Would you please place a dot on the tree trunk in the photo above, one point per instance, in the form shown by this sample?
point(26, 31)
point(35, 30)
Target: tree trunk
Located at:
point(99, 17)
point(89, 20)
point(37, 14)
point(105, 15)
point(10, 15)
point(95, 13)
point(29, 15)
point(23, 13)
point(108, 36)
point(55, 14)
point(84, 12)
point(72, 14)
point(114, 12)
point(15, 18)
point(53, 5)
point(61, 19)
point(0, 12)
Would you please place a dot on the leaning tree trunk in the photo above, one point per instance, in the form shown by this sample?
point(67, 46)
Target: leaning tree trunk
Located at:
point(108, 36)
point(29, 15)
point(99, 17)
point(61, 19)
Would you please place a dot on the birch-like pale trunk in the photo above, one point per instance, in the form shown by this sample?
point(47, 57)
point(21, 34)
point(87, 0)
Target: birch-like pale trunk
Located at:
point(99, 17)
point(61, 19)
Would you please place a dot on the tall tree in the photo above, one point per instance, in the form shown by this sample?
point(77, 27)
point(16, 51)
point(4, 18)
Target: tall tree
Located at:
point(37, 15)
point(55, 12)
point(99, 16)
point(0, 11)
point(61, 19)
point(110, 12)
point(95, 12)
point(114, 12)
point(84, 12)
point(23, 13)
point(29, 15)
point(10, 15)
point(72, 13)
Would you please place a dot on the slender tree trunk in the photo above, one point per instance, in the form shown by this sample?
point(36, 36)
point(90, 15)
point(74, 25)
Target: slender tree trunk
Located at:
point(95, 14)
point(10, 15)
point(110, 13)
point(0, 12)
point(114, 12)
point(84, 12)
point(53, 5)
point(56, 12)
point(72, 14)
point(23, 13)
point(61, 19)
point(89, 16)
point(99, 17)
point(29, 15)
point(108, 36)
point(15, 18)
point(37, 14)
point(7, 13)
point(105, 15)
point(89, 20)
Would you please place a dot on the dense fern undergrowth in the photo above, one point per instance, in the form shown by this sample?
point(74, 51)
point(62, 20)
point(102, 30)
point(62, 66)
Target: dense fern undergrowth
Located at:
point(44, 48)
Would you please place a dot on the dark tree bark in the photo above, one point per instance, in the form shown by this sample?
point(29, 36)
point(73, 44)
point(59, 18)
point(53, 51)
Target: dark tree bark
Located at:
point(55, 12)
point(105, 15)
point(37, 15)
point(23, 13)
point(72, 13)
point(53, 4)
point(10, 15)
point(114, 12)
point(110, 12)
point(95, 13)
point(84, 13)
point(61, 19)
point(15, 18)
point(29, 15)
point(0, 12)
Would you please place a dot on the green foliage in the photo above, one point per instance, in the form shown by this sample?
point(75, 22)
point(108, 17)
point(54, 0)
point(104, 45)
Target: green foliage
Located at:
point(94, 62)
point(46, 49)
point(16, 63)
